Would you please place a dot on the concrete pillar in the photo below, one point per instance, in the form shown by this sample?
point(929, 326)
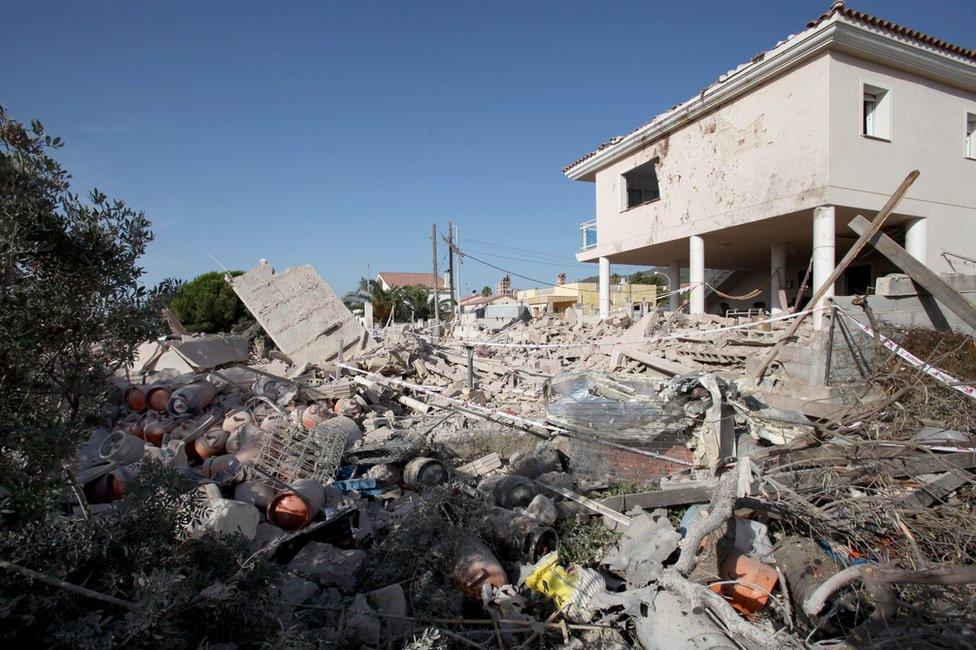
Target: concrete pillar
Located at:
point(917, 238)
point(777, 276)
point(368, 315)
point(824, 258)
point(696, 251)
point(674, 283)
point(604, 287)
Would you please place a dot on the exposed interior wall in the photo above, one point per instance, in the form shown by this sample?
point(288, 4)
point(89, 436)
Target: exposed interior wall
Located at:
point(761, 155)
point(927, 132)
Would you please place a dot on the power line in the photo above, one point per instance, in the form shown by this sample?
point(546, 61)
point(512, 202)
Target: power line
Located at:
point(521, 259)
point(536, 253)
point(519, 275)
point(463, 254)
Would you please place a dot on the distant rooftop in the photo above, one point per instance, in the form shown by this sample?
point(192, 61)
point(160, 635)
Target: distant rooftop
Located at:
point(398, 279)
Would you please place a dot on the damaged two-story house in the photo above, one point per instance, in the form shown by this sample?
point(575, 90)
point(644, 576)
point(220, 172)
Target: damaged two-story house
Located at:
point(761, 172)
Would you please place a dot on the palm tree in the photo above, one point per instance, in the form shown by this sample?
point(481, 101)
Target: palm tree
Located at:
point(486, 291)
point(384, 301)
point(416, 302)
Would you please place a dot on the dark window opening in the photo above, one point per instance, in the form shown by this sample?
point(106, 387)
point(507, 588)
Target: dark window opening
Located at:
point(869, 117)
point(642, 185)
point(857, 280)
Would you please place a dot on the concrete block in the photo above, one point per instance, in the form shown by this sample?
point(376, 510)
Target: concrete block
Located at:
point(328, 565)
point(300, 312)
point(895, 284)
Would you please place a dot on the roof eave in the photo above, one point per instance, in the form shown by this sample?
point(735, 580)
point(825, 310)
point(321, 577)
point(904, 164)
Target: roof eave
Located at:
point(837, 34)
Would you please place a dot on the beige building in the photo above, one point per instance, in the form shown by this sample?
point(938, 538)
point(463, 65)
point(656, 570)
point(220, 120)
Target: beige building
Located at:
point(761, 172)
point(558, 298)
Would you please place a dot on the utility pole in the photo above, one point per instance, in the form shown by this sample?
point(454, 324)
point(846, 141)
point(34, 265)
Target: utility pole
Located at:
point(450, 263)
point(460, 261)
point(437, 316)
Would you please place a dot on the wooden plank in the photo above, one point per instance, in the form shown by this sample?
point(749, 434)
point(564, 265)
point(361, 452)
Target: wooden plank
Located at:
point(855, 250)
point(918, 272)
point(669, 368)
point(659, 498)
point(479, 467)
point(928, 464)
point(595, 506)
point(938, 489)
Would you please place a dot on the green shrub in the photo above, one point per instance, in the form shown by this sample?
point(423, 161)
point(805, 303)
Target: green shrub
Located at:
point(72, 310)
point(208, 304)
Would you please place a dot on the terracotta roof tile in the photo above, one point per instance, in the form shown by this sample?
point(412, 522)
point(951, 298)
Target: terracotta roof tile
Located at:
point(895, 28)
point(398, 279)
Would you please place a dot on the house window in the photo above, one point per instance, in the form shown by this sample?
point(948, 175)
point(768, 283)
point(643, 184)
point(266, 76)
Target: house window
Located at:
point(876, 112)
point(640, 185)
point(971, 135)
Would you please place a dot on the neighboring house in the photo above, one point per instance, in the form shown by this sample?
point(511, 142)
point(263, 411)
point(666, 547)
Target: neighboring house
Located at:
point(558, 298)
point(475, 301)
point(398, 280)
point(763, 170)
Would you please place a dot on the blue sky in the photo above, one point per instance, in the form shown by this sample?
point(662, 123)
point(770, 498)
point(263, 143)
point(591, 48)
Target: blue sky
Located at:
point(335, 133)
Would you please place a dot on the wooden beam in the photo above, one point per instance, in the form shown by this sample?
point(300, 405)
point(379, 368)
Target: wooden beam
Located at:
point(595, 506)
point(659, 498)
point(936, 490)
point(855, 250)
point(920, 273)
point(669, 368)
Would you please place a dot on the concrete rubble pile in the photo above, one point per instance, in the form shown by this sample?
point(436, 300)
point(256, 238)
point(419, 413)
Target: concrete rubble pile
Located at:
point(413, 483)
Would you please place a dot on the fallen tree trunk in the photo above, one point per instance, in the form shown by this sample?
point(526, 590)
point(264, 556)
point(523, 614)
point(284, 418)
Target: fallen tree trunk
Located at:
point(875, 576)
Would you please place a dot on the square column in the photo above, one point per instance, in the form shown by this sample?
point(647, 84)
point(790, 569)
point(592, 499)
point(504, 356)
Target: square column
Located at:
point(917, 238)
point(696, 251)
point(824, 257)
point(777, 276)
point(674, 283)
point(604, 287)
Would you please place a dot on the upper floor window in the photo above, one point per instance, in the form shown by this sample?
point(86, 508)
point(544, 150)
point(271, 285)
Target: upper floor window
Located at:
point(971, 135)
point(640, 185)
point(876, 112)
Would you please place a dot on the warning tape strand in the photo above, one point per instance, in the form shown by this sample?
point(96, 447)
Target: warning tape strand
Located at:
point(496, 413)
point(932, 371)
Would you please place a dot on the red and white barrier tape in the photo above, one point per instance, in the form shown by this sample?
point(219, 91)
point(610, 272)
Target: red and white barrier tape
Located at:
point(927, 368)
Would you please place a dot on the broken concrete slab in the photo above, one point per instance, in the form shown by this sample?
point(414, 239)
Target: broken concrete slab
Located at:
point(329, 566)
point(300, 312)
point(295, 591)
point(646, 544)
point(206, 352)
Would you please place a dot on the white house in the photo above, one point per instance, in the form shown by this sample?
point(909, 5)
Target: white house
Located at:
point(763, 170)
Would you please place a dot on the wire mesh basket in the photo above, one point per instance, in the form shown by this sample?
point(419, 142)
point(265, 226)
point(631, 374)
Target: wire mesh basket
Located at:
point(394, 450)
point(290, 452)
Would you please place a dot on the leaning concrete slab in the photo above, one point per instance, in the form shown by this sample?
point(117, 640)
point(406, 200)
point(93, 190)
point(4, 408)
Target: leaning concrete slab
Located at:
point(300, 312)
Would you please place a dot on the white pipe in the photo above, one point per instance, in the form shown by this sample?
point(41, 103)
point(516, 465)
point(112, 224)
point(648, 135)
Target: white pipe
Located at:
point(917, 238)
point(604, 287)
point(696, 251)
point(823, 256)
point(674, 283)
point(777, 276)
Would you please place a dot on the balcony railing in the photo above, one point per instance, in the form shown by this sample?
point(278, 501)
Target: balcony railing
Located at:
point(588, 235)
